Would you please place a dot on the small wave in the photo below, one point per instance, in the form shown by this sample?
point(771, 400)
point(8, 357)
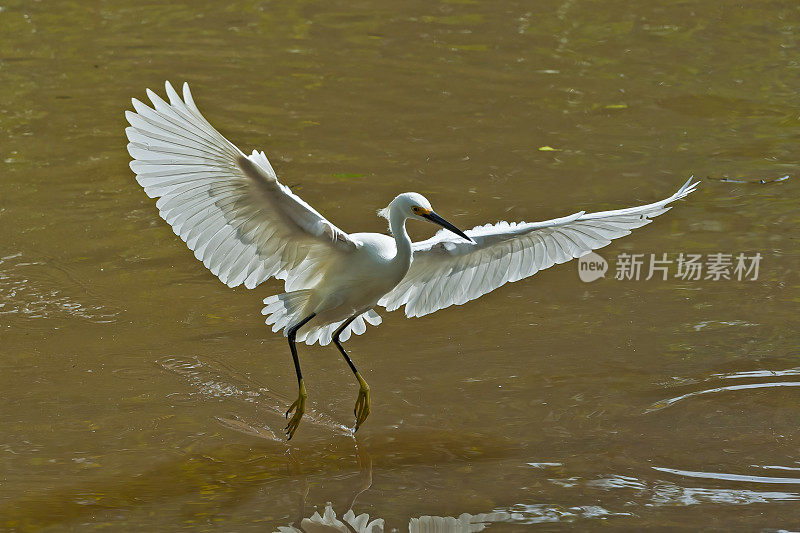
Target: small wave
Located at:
point(730, 477)
point(666, 493)
point(41, 290)
point(756, 374)
point(212, 379)
point(669, 494)
point(716, 324)
point(773, 467)
point(543, 513)
point(661, 404)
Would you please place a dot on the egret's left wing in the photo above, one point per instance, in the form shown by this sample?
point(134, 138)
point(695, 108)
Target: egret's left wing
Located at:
point(448, 270)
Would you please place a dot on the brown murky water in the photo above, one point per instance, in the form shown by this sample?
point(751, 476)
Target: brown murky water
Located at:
point(139, 393)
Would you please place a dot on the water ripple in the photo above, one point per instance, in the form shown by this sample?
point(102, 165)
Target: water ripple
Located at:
point(730, 477)
point(212, 379)
point(40, 290)
point(756, 374)
point(665, 493)
point(671, 494)
point(661, 404)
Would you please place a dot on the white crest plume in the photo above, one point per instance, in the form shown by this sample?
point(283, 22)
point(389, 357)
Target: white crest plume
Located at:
point(385, 214)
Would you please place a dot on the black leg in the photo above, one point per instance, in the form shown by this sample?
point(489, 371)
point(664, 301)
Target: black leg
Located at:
point(362, 408)
point(339, 344)
point(299, 406)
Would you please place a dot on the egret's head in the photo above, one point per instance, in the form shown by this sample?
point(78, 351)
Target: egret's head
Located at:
point(409, 204)
point(414, 205)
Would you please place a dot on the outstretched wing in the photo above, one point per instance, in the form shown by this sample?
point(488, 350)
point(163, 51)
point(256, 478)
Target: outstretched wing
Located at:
point(229, 208)
point(447, 270)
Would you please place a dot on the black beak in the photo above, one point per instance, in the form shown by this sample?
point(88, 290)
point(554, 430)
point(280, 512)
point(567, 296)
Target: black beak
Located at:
point(433, 217)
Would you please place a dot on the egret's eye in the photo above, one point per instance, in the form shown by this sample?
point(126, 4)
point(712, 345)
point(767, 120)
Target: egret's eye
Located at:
point(417, 210)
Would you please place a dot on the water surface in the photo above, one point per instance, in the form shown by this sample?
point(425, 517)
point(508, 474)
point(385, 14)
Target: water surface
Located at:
point(141, 393)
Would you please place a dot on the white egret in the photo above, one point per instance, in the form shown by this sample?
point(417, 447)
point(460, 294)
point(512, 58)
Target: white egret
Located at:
point(245, 226)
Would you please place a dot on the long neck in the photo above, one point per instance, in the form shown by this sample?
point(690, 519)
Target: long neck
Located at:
point(397, 224)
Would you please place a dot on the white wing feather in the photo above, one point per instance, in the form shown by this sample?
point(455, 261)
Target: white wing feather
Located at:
point(447, 270)
point(229, 208)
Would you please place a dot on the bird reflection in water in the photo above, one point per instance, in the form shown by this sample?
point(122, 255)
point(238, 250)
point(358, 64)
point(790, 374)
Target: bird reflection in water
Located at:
point(329, 522)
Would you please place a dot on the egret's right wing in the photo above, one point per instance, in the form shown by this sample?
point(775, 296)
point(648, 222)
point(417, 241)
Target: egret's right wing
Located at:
point(447, 270)
point(241, 222)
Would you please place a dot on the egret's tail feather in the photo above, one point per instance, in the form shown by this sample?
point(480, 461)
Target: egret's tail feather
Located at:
point(324, 333)
point(284, 310)
point(289, 308)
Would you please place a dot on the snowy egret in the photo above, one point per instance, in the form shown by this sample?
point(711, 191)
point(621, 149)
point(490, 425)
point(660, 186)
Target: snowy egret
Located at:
point(245, 226)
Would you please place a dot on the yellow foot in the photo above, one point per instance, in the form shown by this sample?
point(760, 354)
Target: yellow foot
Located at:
point(362, 403)
point(299, 407)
